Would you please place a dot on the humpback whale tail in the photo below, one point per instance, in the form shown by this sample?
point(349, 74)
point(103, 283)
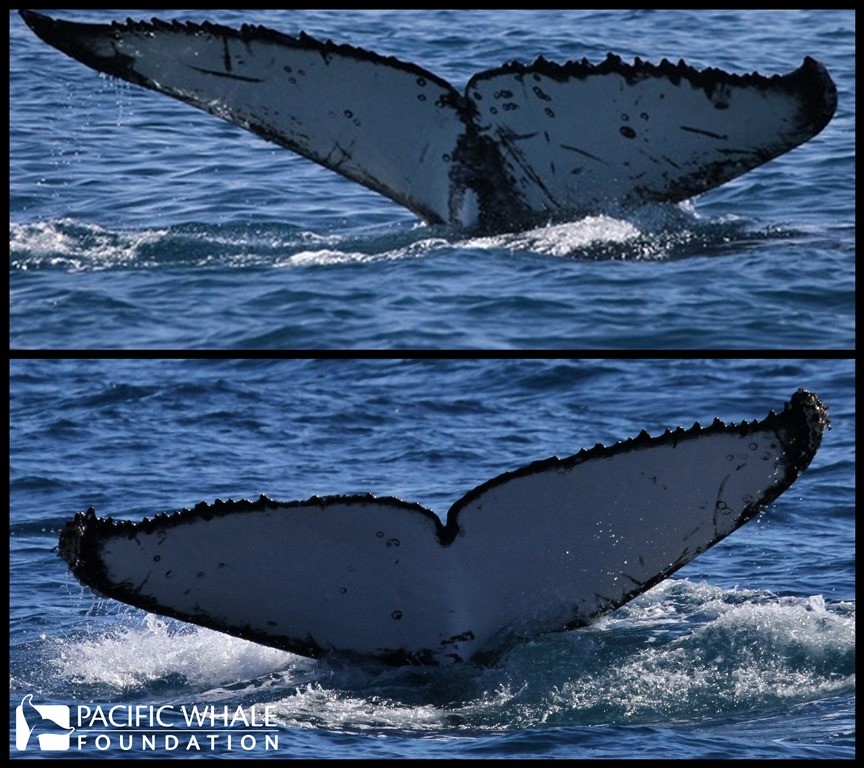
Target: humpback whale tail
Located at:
point(523, 144)
point(540, 549)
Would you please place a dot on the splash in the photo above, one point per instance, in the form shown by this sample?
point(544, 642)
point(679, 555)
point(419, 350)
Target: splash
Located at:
point(565, 239)
point(650, 234)
point(686, 652)
point(75, 247)
point(135, 657)
point(336, 256)
point(762, 654)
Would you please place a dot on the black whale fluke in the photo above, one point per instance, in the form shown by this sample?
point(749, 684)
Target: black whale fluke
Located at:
point(540, 549)
point(520, 145)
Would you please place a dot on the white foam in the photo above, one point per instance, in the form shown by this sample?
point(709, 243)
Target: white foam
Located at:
point(563, 239)
point(133, 656)
point(76, 246)
point(751, 650)
point(334, 256)
point(315, 706)
point(683, 651)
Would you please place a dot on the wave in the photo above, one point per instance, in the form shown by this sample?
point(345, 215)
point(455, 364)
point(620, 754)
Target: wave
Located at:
point(654, 233)
point(683, 652)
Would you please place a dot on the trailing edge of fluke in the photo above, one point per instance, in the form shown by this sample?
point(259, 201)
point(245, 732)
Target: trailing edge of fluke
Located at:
point(544, 548)
point(523, 145)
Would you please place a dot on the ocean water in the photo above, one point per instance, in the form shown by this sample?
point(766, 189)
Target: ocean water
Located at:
point(137, 222)
point(747, 652)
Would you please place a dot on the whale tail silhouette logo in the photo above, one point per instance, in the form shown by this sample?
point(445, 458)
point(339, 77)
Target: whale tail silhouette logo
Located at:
point(48, 722)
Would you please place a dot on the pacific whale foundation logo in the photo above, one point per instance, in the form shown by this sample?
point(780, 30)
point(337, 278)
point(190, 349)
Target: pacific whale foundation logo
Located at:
point(48, 722)
point(193, 728)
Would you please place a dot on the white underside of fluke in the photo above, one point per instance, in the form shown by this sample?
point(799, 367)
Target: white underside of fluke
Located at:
point(541, 549)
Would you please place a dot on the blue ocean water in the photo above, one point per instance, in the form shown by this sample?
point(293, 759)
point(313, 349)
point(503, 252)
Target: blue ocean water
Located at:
point(748, 651)
point(137, 222)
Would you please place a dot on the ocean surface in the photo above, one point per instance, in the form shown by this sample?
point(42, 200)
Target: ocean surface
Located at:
point(138, 222)
point(747, 652)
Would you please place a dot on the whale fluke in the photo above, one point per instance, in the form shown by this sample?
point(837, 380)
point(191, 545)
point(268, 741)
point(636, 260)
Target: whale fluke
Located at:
point(524, 144)
point(544, 548)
